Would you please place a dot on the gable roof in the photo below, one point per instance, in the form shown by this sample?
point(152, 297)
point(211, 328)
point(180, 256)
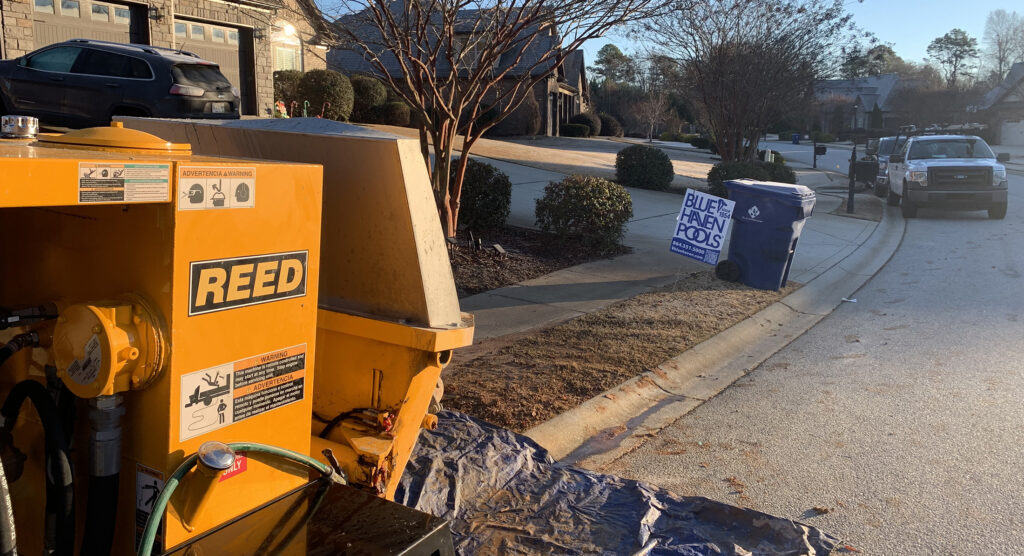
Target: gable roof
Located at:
point(1014, 80)
point(872, 91)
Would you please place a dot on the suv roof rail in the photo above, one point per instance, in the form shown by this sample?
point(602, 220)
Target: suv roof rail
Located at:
point(148, 49)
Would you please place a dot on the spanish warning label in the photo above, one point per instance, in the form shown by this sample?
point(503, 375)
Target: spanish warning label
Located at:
point(115, 182)
point(219, 396)
point(211, 187)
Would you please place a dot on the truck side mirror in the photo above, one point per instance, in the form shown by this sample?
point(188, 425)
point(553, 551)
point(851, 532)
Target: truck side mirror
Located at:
point(1003, 157)
point(820, 150)
point(895, 158)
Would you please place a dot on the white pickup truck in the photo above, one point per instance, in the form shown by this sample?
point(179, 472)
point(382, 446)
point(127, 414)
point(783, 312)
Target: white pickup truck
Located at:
point(947, 171)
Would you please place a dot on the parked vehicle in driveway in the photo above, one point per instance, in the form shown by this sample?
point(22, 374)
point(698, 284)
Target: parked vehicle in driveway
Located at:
point(882, 148)
point(948, 171)
point(81, 83)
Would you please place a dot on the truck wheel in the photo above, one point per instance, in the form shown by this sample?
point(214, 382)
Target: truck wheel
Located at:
point(997, 211)
point(893, 199)
point(728, 271)
point(907, 208)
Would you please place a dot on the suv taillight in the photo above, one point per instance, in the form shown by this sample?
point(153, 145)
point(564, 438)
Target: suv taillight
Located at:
point(187, 91)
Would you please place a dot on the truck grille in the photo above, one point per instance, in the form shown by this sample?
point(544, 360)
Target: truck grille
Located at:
point(953, 178)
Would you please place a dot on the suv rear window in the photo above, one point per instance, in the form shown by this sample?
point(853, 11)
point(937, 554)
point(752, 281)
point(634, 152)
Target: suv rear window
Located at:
point(111, 64)
point(207, 77)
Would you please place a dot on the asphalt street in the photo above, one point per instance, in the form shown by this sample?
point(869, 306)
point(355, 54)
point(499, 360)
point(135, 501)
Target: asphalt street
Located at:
point(836, 159)
point(897, 423)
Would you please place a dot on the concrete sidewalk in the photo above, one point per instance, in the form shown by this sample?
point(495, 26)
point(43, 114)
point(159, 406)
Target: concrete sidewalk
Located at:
point(836, 254)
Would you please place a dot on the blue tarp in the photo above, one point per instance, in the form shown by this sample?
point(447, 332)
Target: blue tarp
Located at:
point(503, 494)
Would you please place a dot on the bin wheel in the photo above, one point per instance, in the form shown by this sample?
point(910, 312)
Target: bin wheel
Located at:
point(728, 271)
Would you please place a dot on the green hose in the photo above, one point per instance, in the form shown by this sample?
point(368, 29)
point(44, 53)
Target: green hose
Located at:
point(152, 524)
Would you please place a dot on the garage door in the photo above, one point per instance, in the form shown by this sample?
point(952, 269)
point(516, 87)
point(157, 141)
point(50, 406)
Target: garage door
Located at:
point(214, 43)
point(1013, 133)
point(60, 20)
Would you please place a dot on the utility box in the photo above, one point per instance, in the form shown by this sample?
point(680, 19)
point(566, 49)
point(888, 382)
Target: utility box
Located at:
point(186, 288)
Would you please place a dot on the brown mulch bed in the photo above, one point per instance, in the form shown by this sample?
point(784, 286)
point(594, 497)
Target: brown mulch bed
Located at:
point(528, 254)
point(523, 380)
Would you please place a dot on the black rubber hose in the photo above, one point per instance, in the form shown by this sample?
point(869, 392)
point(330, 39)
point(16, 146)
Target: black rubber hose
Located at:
point(101, 515)
point(18, 343)
point(60, 492)
point(8, 542)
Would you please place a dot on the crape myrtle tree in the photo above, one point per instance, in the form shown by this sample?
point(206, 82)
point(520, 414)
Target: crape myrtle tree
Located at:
point(464, 65)
point(750, 63)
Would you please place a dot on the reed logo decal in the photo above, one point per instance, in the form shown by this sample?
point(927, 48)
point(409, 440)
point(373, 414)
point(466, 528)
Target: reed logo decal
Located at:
point(222, 284)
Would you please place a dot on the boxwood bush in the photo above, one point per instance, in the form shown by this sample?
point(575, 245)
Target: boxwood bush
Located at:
point(701, 142)
point(610, 127)
point(486, 197)
point(588, 119)
point(392, 113)
point(574, 130)
point(286, 86)
point(368, 94)
point(746, 169)
point(644, 167)
point(323, 86)
point(587, 211)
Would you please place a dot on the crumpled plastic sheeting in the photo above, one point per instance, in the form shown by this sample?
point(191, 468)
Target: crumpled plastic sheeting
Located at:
point(503, 494)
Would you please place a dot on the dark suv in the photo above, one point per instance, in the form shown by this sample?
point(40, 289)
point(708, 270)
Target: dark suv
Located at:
point(85, 82)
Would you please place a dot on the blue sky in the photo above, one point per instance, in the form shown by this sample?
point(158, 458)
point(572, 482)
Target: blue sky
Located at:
point(910, 25)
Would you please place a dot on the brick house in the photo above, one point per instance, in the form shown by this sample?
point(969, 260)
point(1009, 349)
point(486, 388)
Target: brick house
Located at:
point(250, 39)
point(563, 93)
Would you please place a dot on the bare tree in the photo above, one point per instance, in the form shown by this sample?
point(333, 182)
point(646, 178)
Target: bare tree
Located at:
point(652, 111)
point(750, 63)
point(1004, 41)
point(464, 65)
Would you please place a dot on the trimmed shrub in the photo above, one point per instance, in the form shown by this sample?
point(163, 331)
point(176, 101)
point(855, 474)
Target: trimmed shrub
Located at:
point(776, 156)
point(368, 93)
point(822, 137)
point(746, 169)
point(687, 137)
point(610, 127)
point(668, 136)
point(701, 142)
point(644, 167)
point(323, 86)
point(286, 86)
point(585, 210)
point(392, 113)
point(524, 120)
point(574, 130)
point(486, 197)
point(588, 119)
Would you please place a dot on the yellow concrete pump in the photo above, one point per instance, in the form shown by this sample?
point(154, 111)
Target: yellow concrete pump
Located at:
point(215, 355)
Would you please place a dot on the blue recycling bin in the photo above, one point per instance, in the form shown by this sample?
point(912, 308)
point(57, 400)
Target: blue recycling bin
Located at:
point(767, 221)
point(796, 138)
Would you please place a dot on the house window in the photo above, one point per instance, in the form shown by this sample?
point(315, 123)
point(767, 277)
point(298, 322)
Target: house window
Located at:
point(179, 30)
point(122, 16)
point(100, 12)
point(218, 35)
point(286, 58)
point(198, 32)
point(232, 37)
point(70, 8)
point(44, 6)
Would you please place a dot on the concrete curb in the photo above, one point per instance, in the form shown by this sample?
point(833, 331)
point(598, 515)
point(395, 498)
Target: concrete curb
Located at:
point(617, 421)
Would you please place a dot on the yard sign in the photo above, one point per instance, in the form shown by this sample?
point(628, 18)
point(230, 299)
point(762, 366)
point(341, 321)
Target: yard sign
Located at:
point(701, 226)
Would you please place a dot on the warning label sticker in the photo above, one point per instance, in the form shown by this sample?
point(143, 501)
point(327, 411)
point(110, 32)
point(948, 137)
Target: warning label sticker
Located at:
point(85, 370)
point(114, 182)
point(206, 188)
point(148, 484)
point(219, 396)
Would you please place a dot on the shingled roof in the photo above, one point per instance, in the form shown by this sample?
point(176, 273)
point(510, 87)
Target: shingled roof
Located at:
point(1014, 80)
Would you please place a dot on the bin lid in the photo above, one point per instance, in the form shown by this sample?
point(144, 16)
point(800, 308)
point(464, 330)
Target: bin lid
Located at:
point(781, 191)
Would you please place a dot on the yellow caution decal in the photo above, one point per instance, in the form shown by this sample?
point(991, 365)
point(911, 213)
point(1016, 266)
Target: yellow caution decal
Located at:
point(222, 284)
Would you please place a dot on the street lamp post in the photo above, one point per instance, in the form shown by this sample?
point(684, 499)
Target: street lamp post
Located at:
point(853, 165)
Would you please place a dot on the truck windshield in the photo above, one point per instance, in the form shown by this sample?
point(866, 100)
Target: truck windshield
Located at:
point(888, 145)
point(950, 148)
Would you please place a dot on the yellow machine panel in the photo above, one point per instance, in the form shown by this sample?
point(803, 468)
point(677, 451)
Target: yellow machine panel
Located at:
point(185, 293)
